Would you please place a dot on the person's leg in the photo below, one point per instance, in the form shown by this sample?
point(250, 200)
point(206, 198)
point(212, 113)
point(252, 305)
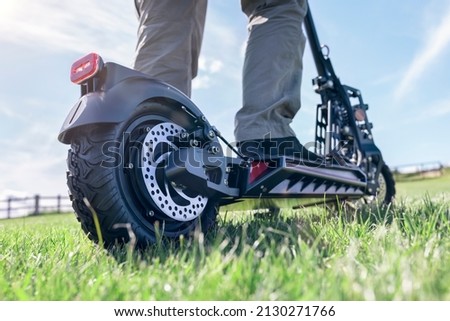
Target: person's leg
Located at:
point(169, 40)
point(272, 69)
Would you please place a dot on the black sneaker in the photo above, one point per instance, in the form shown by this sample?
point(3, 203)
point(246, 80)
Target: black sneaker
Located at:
point(273, 148)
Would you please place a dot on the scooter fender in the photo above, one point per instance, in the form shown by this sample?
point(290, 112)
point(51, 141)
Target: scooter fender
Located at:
point(119, 100)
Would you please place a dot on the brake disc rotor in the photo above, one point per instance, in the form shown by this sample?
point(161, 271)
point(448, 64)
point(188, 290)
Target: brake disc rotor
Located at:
point(177, 202)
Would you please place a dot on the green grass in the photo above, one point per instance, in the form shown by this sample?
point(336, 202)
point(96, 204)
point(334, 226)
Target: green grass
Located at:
point(402, 253)
point(415, 187)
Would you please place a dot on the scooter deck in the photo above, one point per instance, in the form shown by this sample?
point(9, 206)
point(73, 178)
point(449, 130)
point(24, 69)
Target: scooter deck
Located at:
point(288, 178)
point(279, 178)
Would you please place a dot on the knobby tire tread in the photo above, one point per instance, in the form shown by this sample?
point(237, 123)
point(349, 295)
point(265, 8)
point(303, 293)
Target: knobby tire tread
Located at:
point(86, 178)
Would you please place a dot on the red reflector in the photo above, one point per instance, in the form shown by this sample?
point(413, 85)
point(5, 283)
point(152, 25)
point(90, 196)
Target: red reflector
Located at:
point(360, 115)
point(85, 68)
point(257, 169)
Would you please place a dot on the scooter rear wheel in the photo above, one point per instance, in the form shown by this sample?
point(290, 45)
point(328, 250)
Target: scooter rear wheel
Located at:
point(119, 169)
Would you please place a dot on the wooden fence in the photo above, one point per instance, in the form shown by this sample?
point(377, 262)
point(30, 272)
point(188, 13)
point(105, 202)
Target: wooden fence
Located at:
point(419, 171)
point(34, 205)
point(420, 168)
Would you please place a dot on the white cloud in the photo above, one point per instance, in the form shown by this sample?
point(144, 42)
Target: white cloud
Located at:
point(32, 161)
point(201, 82)
point(434, 110)
point(208, 67)
point(72, 26)
point(437, 41)
point(437, 109)
point(6, 111)
point(223, 41)
point(215, 66)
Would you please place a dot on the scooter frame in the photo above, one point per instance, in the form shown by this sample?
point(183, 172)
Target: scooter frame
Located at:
point(351, 167)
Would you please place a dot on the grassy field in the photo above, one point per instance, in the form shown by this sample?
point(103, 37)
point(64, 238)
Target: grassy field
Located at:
point(402, 253)
point(409, 188)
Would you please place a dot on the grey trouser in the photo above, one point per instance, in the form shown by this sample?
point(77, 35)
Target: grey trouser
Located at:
point(169, 41)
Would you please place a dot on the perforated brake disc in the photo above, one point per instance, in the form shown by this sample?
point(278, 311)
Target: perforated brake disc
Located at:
point(177, 202)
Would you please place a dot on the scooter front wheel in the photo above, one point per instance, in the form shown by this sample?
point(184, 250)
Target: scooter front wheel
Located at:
point(119, 169)
point(384, 196)
point(386, 187)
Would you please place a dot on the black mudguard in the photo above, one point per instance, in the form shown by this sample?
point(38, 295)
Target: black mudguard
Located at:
point(122, 90)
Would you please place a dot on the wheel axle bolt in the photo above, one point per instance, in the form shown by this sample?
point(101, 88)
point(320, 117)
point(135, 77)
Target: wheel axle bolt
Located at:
point(151, 213)
point(214, 150)
point(148, 129)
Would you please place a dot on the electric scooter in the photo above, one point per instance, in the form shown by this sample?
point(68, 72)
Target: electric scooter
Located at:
point(144, 156)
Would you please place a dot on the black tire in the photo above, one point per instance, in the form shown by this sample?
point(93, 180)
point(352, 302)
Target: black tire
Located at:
point(384, 196)
point(107, 167)
point(386, 186)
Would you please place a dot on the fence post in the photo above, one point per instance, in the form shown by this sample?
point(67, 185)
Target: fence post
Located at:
point(36, 204)
point(58, 203)
point(9, 207)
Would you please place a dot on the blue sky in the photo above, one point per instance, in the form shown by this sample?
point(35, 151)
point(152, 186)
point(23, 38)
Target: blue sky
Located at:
point(396, 52)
